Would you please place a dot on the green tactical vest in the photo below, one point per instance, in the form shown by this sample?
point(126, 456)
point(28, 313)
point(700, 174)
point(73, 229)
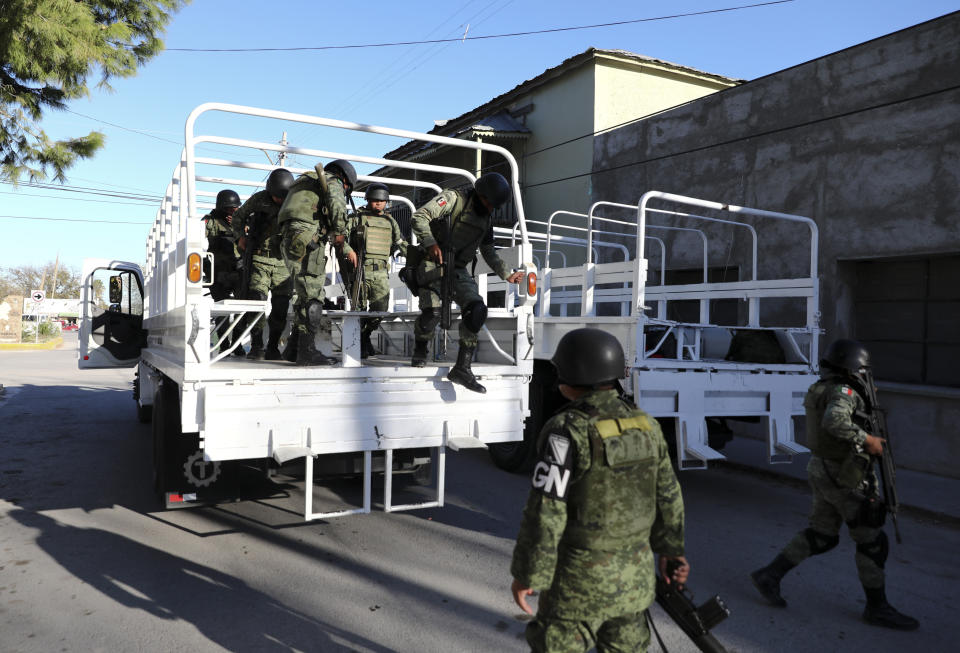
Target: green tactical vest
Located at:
point(821, 443)
point(375, 233)
point(603, 505)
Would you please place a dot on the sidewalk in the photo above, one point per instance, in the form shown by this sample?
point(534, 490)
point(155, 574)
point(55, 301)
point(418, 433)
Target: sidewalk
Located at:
point(926, 495)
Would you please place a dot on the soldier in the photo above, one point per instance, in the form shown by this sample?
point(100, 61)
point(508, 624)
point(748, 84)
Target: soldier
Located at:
point(844, 486)
point(314, 212)
point(604, 499)
point(377, 236)
point(255, 225)
point(221, 242)
point(470, 227)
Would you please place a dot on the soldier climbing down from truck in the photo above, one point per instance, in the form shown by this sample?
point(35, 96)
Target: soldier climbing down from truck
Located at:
point(222, 244)
point(451, 228)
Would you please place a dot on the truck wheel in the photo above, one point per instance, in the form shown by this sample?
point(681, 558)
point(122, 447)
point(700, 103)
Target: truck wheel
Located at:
point(165, 402)
point(545, 400)
point(144, 413)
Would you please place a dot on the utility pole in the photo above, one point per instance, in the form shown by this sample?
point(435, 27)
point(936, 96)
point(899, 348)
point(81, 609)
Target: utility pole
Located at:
point(282, 156)
point(56, 270)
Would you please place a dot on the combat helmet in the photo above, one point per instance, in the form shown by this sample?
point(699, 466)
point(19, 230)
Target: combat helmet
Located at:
point(847, 356)
point(589, 357)
point(377, 193)
point(494, 188)
point(228, 199)
point(279, 182)
point(345, 168)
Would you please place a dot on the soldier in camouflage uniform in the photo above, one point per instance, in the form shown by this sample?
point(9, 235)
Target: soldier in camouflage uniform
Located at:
point(844, 486)
point(221, 243)
point(255, 225)
point(377, 236)
point(604, 500)
point(314, 212)
point(471, 228)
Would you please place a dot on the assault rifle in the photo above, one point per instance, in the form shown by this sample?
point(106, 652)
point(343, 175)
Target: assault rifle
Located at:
point(875, 422)
point(356, 289)
point(696, 622)
point(253, 235)
point(447, 280)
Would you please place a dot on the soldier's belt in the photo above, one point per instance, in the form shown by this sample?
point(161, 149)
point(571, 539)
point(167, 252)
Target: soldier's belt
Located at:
point(375, 265)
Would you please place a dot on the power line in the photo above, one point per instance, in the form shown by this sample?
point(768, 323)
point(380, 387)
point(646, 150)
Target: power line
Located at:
point(75, 199)
point(88, 191)
point(135, 131)
point(33, 217)
point(486, 37)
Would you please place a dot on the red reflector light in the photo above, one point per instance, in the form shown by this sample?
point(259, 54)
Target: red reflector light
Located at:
point(86, 358)
point(531, 284)
point(174, 498)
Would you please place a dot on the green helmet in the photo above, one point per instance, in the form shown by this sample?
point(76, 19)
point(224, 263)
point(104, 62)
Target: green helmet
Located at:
point(589, 357)
point(377, 193)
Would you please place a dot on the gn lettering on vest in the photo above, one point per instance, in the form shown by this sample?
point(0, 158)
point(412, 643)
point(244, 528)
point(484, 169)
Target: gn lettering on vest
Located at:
point(551, 479)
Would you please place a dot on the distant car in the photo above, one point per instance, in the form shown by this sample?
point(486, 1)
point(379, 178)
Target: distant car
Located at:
point(70, 327)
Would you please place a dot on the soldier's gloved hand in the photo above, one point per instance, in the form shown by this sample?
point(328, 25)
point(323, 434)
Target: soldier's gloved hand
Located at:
point(435, 254)
point(874, 445)
point(520, 593)
point(680, 573)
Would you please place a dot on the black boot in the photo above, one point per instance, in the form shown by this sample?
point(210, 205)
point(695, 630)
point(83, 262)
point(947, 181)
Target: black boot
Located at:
point(880, 613)
point(366, 346)
point(291, 350)
point(461, 372)
point(308, 354)
point(273, 347)
point(256, 345)
point(767, 580)
point(419, 353)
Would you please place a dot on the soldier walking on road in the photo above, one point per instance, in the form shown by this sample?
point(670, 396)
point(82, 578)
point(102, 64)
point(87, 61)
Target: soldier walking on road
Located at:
point(314, 212)
point(604, 500)
point(255, 225)
point(471, 227)
point(222, 244)
point(377, 236)
point(844, 486)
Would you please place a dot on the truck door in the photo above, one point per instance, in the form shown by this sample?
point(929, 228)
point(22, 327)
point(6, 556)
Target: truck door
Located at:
point(111, 323)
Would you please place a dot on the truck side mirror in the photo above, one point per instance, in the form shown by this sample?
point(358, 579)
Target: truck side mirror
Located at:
point(116, 289)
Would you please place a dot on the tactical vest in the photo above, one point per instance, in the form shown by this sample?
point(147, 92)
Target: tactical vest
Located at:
point(821, 443)
point(467, 232)
point(605, 505)
point(375, 234)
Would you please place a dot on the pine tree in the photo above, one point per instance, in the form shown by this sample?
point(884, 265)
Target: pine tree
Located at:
point(48, 50)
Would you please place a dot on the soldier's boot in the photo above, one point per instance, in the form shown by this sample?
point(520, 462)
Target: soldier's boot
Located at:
point(366, 346)
point(419, 353)
point(880, 613)
point(461, 372)
point(290, 351)
point(308, 354)
point(273, 347)
point(256, 345)
point(767, 580)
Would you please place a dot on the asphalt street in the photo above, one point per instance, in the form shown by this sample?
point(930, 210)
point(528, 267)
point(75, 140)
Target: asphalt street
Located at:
point(89, 563)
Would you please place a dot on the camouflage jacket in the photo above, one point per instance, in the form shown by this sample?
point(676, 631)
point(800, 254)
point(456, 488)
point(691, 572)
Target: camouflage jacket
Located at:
point(472, 228)
point(321, 205)
point(604, 499)
point(830, 406)
point(365, 214)
point(256, 220)
point(220, 241)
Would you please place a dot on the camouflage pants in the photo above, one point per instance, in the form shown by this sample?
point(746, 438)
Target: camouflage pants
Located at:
point(306, 267)
point(627, 634)
point(832, 507)
point(464, 293)
point(375, 295)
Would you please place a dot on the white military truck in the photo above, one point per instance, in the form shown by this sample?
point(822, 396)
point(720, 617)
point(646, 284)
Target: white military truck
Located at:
point(701, 350)
point(209, 408)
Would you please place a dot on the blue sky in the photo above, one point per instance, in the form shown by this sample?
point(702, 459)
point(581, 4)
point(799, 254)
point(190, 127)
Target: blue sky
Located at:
point(405, 86)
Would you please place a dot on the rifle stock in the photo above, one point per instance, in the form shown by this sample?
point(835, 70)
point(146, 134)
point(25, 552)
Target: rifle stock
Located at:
point(694, 621)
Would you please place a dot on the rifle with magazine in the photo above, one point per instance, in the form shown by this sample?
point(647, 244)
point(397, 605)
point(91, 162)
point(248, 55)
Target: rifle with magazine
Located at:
point(696, 622)
point(875, 423)
point(447, 285)
point(253, 235)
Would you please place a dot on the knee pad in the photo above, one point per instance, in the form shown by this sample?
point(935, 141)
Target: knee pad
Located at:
point(314, 312)
point(474, 315)
point(877, 551)
point(820, 543)
point(429, 319)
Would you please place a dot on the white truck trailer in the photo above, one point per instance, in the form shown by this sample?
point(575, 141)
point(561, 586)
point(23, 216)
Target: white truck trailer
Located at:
point(208, 408)
point(682, 368)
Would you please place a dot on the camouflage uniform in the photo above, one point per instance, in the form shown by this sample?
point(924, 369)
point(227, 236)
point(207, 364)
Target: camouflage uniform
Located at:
point(378, 236)
point(313, 210)
point(841, 478)
point(604, 499)
point(256, 220)
point(220, 242)
point(471, 228)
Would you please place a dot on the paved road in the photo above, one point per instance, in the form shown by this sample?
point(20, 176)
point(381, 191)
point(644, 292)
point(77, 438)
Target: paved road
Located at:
point(87, 563)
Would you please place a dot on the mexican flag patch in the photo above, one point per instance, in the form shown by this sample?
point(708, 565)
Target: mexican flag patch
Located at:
point(847, 390)
point(441, 202)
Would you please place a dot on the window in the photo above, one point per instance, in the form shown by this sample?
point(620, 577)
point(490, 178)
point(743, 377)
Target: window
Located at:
point(907, 313)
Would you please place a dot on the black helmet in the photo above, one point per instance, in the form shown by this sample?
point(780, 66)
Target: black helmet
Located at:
point(345, 168)
point(589, 357)
point(493, 188)
point(377, 193)
point(228, 199)
point(848, 356)
point(279, 182)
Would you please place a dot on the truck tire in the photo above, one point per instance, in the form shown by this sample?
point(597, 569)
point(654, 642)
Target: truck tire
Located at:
point(144, 413)
point(166, 429)
point(545, 400)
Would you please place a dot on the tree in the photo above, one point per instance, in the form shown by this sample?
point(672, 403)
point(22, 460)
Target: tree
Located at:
point(21, 280)
point(48, 50)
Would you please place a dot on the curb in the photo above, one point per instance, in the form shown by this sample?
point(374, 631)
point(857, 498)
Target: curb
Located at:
point(915, 511)
point(28, 346)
